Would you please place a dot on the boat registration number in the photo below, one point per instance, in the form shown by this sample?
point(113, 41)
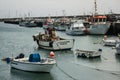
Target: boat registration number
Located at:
point(64, 42)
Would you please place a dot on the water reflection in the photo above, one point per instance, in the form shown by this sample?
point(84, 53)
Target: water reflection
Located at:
point(58, 53)
point(14, 40)
point(22, 75)
point(91, 60)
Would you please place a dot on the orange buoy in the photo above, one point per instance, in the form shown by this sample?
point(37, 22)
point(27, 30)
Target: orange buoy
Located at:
point(52, 54)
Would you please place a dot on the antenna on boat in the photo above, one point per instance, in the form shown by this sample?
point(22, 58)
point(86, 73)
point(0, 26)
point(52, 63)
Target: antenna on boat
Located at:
point(49, 16)
point(64, 13)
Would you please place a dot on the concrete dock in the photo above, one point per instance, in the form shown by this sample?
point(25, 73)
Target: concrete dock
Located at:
point(112, 18)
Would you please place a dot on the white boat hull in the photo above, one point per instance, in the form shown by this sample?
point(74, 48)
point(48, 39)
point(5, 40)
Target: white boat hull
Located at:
point(75, 32)
point(57, 45)
point(76, 28)
point(32, 66)
point(109, 42)
point(27, 24)
point(61, 28)
point(99, 28)
point(88, 54)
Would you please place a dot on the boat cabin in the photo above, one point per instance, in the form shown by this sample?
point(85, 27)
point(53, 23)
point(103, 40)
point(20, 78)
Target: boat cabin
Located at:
point(99, 19)
point(77, 26)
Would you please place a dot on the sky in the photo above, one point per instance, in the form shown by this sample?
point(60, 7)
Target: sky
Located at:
point(43, 8)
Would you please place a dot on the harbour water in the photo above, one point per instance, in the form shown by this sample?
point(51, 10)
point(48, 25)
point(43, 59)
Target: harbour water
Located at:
point(15, 39)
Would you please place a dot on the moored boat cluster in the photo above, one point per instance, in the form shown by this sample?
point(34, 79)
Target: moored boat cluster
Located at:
point(51, 41)
point(93, 25)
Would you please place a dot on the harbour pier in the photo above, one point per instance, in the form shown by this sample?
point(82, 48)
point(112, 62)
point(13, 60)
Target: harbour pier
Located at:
point(114, 19)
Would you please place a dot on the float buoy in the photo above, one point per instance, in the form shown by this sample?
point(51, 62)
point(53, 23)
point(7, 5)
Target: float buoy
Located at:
point(105, 37)
point(52, 54)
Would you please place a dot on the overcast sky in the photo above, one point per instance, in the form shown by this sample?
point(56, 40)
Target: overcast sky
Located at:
point(21, 8)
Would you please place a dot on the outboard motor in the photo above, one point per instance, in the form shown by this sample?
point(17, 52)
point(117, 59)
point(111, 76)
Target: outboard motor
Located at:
point(99, 49)
point(21, 55)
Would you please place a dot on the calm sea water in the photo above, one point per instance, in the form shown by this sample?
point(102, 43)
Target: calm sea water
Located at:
point(15, 40)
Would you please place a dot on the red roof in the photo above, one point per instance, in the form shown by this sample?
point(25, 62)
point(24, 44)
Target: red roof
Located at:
point(100, 17)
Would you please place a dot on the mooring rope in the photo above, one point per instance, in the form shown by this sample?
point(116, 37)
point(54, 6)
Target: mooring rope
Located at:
point(65, 72)
point(113, 73)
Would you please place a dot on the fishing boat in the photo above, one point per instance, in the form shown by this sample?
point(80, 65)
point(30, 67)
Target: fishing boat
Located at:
point(61, 27)
point(33, 64)
point(99, 24)
point(88, 53)
point(118, 48)
point(27, 23)
point(63, 23)
point(50, 41)
point(77, 28)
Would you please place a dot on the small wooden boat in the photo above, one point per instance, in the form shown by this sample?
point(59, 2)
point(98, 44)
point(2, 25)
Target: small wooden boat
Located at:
point(33, 64)
point(61, 27)
point(88, 54)
point(52, 42)
point(109, 42)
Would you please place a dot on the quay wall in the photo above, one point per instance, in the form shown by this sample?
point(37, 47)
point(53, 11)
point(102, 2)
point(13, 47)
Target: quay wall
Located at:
point(114, 28)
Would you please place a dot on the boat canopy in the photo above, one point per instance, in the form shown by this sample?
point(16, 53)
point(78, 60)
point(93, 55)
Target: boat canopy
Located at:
point(34, 57)
point(100, 17)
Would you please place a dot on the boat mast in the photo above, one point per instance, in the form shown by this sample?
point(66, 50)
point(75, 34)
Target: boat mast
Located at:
point(95, 3)
point(63, 16)
point(63, 13)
